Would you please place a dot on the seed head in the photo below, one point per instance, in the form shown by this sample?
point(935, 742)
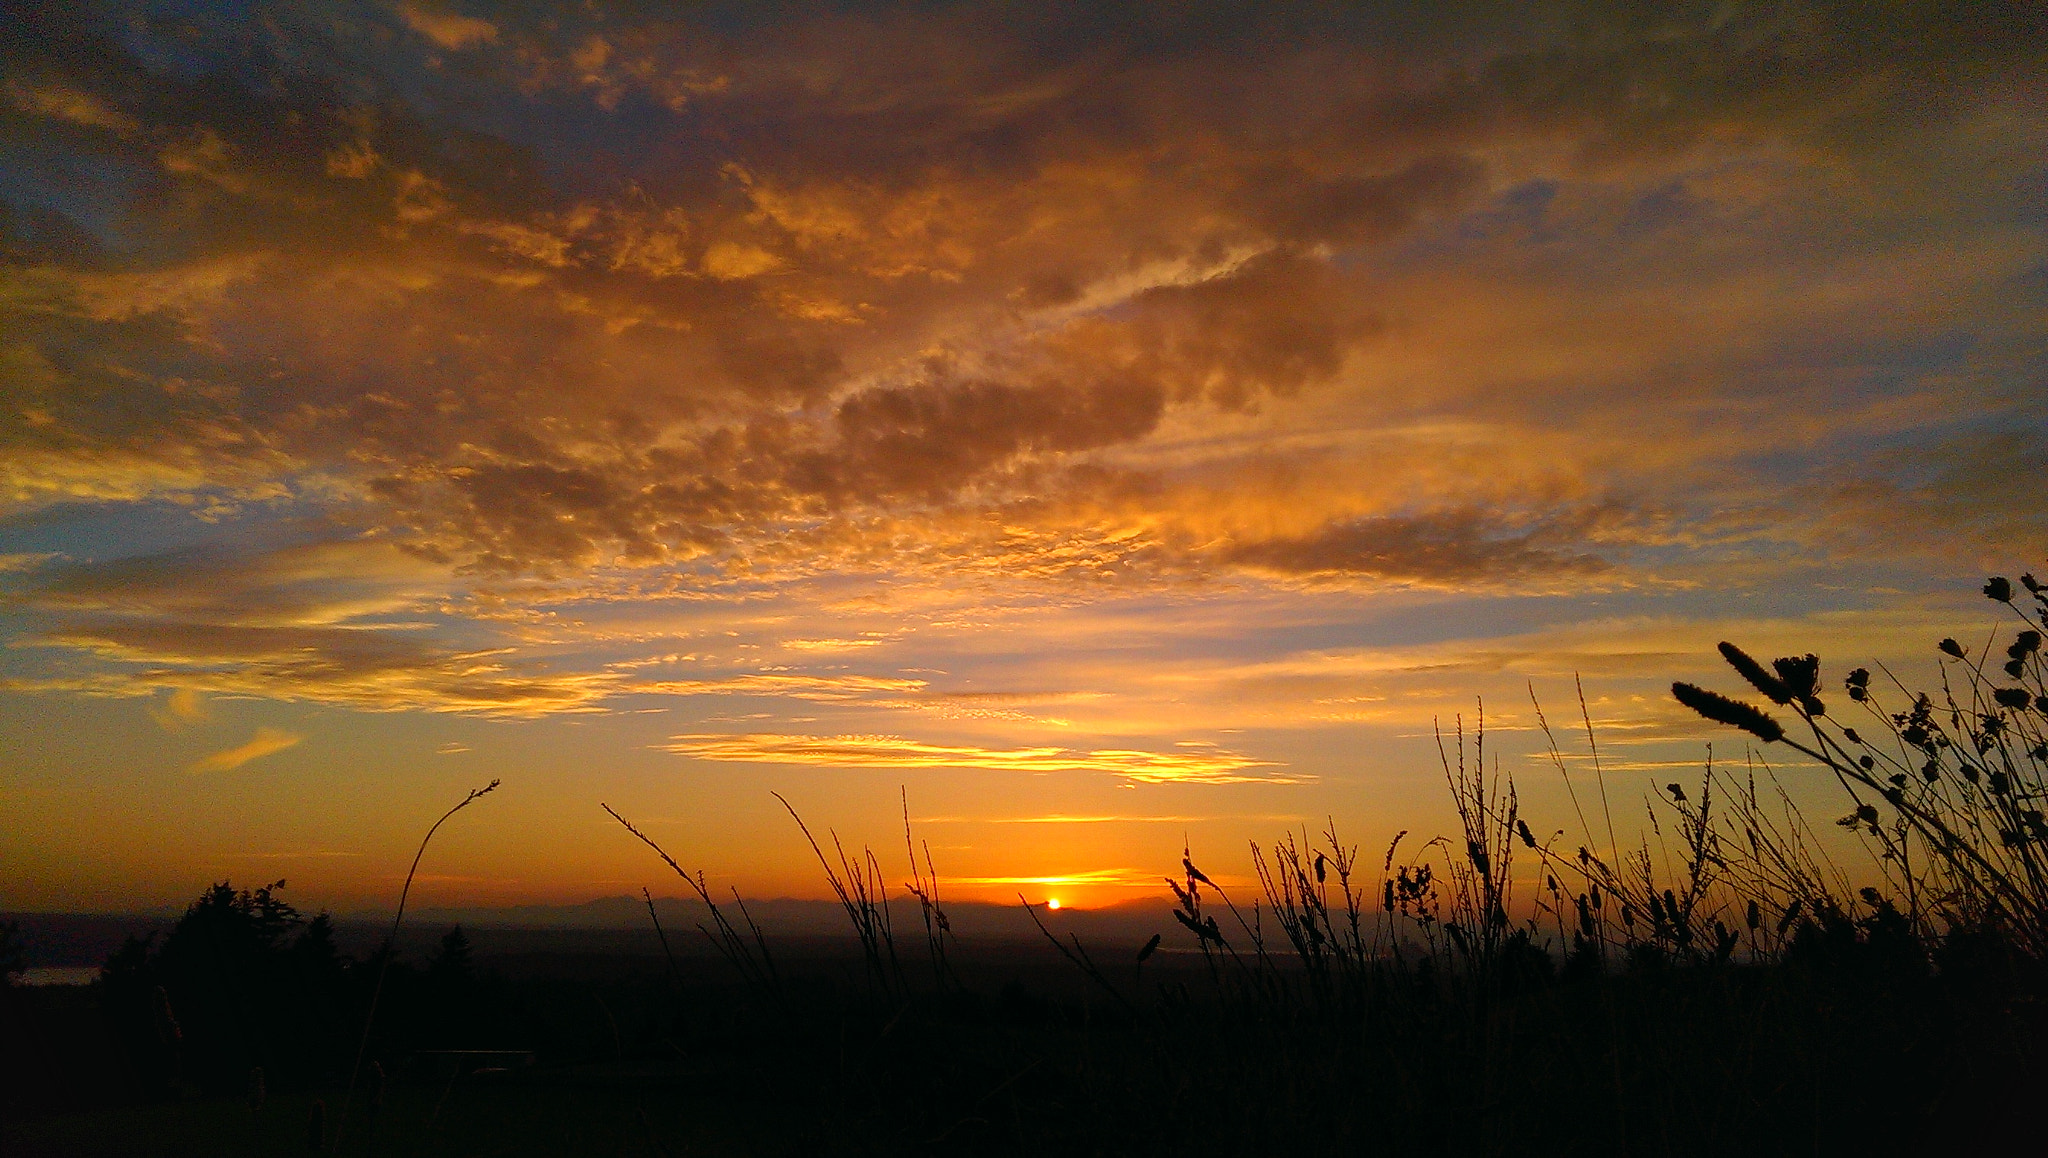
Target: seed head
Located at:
point(1734, 713)
point(1998, 589)
point(1476, 853)
point(1754, 672)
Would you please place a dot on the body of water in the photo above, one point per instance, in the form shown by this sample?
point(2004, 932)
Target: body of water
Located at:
point(60, 975)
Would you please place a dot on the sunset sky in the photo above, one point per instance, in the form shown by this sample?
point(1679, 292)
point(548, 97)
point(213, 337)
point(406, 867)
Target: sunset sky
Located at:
point(1115, 426)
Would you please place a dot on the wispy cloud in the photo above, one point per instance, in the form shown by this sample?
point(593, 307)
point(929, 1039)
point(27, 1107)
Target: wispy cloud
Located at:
point(181, 709)
point(265, 742)
point(834, 644)
point(1063, 818)
point(1119, 877)
point(794, 685)
point(1200, 765)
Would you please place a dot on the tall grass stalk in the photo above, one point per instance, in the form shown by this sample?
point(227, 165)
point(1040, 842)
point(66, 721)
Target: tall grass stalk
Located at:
point(384, 965)
point(924, 885)
point(864, 895)
point(752, 960)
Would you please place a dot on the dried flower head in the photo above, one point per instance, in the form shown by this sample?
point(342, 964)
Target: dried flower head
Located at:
point(1800, 674)
point(1734, 713)
point(1754, 672)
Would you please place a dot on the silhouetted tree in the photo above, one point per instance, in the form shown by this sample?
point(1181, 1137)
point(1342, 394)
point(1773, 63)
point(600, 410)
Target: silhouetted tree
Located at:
point(451, 967)
point(241, 981)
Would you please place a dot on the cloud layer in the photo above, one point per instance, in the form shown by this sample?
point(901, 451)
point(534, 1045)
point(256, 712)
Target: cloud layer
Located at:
point(412, 357)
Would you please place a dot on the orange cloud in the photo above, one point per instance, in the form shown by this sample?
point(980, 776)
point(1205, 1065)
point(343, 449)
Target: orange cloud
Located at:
point(447, 30)
point(1118, 877)
point(1199, 765)
point(803, 687)
point(265, 742)
point(183, 707)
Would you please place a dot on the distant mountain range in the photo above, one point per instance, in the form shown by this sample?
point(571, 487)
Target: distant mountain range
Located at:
point(786, 916)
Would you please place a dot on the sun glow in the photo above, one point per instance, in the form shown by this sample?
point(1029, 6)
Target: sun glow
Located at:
point(1052, 902)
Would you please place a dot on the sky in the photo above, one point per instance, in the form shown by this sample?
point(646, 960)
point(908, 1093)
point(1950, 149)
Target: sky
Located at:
point(1093, 431)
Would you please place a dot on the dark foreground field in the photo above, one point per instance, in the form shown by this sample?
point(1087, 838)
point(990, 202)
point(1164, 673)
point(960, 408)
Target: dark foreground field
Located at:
point(1840, 1049)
